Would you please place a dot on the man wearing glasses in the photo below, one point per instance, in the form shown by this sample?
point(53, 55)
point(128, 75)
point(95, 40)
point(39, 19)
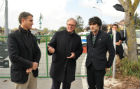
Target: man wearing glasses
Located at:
point(65, 48)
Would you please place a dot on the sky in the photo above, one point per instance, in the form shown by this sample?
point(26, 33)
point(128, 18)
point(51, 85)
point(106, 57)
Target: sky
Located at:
point(56, 12)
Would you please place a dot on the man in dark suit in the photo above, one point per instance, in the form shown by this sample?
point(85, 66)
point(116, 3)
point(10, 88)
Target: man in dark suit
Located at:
point(119, 47)
point(24, 54)
point(65, 47)
point(98, 43)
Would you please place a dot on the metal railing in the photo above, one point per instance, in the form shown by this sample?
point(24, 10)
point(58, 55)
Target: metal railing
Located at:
point(45, 61)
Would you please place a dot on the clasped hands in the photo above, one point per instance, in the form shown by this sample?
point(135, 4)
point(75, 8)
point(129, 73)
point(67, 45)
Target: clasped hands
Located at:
point(34, 67)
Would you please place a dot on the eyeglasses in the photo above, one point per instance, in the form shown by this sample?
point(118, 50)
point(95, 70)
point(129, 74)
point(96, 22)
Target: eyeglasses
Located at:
point(71, 25)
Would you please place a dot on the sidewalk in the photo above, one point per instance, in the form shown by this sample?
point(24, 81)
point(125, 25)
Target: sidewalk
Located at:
point(43, 83)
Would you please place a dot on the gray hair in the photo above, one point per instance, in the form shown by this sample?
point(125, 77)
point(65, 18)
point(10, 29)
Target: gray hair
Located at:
point(73, 20)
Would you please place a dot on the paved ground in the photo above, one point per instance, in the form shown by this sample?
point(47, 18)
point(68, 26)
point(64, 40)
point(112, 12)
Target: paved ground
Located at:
point(43, 83)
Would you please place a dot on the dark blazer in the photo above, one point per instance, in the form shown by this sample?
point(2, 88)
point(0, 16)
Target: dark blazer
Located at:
point(64, 43)
point(23, 50)
point(96, 53)
point(119, 48)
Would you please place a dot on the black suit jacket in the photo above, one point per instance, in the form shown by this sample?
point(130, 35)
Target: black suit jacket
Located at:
point(23, 50)
point(119, 48)
point(96, 53)
point(64, 43)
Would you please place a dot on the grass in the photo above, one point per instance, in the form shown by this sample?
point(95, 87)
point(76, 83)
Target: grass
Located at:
point(130, 68)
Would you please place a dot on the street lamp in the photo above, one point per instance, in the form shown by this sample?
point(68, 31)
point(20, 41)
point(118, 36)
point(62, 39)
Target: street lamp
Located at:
point(118, 7)
point(6, 18)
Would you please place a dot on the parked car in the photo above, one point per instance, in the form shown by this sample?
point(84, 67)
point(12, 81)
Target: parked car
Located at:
point(83, 37)
point(138, 40)
point(138, 36)
point(3, 55)
point(84, 40)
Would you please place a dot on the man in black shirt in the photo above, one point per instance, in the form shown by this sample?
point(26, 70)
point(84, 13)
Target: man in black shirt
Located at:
point(119, 47)
point(24, 54)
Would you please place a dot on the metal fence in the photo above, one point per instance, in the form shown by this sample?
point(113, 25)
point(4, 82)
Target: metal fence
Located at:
point(45, 61)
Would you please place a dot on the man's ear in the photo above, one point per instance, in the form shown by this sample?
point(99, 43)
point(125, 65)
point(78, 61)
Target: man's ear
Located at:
point(22, 20)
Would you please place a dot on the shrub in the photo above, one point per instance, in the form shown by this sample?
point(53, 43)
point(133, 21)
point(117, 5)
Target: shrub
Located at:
point(130, 68)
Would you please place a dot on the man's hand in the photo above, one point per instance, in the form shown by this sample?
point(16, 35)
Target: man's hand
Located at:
point(72, 55)
point(28, 70)
point(107, 69)
point(118, 43)
point(51, 49)
point(35, 65)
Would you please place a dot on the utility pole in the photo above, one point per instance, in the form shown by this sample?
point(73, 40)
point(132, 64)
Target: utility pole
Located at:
point(114, 62)
point(6, 31)
point(118, 7)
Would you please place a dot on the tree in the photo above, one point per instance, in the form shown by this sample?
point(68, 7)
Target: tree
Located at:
point(14, 29)
point(79, 26)
point(45, 31)
point(62, 28)
point(1, 30)
point(52, 32)
point(130, 9)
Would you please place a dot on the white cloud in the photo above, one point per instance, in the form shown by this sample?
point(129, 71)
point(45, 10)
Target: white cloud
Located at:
point(53, 12)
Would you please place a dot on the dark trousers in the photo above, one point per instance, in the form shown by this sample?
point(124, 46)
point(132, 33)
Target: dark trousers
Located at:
point(120, 51)
point(56, 84)
point(95, 78)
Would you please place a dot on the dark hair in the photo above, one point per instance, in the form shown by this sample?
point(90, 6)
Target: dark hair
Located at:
point(24, 15)
point(115, 25)
point(95, 20)
point(104, 28)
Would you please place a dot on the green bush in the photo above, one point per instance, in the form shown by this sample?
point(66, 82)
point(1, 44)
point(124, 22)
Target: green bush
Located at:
point(130, 68)
point(2, 39)
point(44, 38)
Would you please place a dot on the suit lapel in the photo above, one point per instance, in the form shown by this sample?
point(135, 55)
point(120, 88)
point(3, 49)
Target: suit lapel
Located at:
point(97, 37)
